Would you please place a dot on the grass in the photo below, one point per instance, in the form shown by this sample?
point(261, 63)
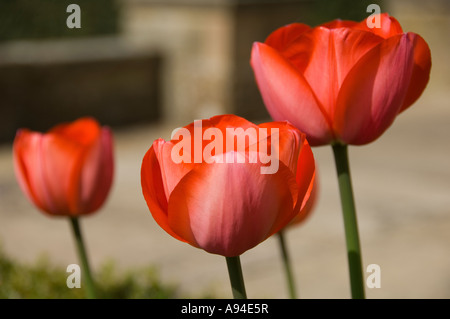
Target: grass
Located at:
point(44, 280)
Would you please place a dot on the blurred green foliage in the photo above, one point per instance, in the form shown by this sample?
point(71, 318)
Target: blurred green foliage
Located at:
point(38, 19)
point(47, 281)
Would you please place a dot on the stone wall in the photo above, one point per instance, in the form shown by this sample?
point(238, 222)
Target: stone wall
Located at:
point(46, 82)
point(207, 46)
point(178, 60)
point(195, 41)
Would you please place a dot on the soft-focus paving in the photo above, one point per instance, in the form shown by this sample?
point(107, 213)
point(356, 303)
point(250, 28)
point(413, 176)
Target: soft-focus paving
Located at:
point(401, 181)
point(402, 190)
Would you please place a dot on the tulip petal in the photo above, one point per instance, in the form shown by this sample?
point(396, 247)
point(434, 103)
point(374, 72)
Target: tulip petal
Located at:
point(221, 122)
point(228, 208)
point(374, 90)
point(226, 125)
point(306, 173)
point(422, 56)
point(283, 37)
point(75, 141)
point(333, 52)
point(62, 163)
point(84, 131)
point(227, 121)
point(282, 41)
point(286, 93)
point(421, 71)
point(293, 150)
point(290, 141)
point(97, 173)
point(153, 188)
point(47, 166)
point(389, 26)
point(308, 204)
point(338, 23)
point(27, 150)
point(171, 171)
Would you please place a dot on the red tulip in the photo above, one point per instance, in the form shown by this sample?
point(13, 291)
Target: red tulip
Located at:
point(222, 201)
point(341, 81)
point(67, 171)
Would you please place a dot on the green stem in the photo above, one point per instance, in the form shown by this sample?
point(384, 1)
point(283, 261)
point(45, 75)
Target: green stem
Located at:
point(87, 277)
point(350, 223)
point(287, 266)
point(236, 277)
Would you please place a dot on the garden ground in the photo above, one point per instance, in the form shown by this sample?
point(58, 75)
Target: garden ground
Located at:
point(402, 189)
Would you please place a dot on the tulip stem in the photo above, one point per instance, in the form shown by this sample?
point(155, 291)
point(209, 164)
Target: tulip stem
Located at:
point(287, 265)
point(87, 277)
point(350, 222)
point(236, 277)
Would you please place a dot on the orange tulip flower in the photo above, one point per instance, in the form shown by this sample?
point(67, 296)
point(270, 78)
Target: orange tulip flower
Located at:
point(341, 81)
point(220, 199)
point(67, 171)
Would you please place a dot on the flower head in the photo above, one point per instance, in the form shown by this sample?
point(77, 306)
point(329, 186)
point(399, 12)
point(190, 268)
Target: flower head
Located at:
point(218, 198)
point(67, 171)
point(341, 81)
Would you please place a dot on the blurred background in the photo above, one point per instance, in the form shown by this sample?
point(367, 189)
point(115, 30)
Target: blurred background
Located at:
point(144, 67)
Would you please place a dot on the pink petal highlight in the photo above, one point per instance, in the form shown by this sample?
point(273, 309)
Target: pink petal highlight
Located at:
point(201, 212)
